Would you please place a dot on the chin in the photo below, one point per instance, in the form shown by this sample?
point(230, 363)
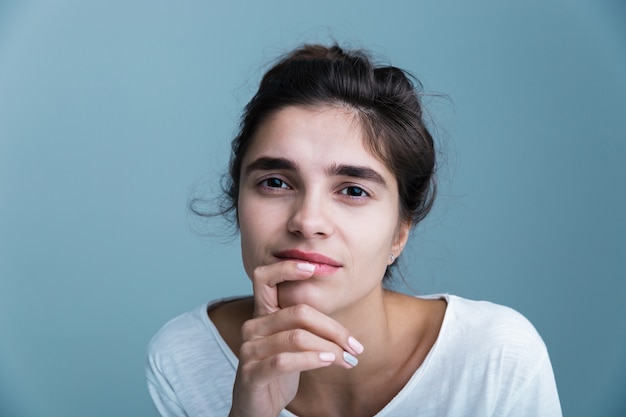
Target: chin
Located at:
point(294, 293)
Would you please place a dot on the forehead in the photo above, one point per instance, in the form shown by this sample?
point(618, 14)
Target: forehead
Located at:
point(330, 133)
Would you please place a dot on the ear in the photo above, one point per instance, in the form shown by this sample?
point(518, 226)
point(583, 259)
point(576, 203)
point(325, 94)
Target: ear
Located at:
point(402, 236)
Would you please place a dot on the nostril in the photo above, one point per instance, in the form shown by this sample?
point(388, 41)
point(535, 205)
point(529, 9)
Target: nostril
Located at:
point(310, 220)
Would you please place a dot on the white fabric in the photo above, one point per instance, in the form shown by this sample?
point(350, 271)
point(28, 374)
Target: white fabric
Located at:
point(487, 361)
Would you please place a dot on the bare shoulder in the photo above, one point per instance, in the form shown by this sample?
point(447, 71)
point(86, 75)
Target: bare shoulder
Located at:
point(229, 316)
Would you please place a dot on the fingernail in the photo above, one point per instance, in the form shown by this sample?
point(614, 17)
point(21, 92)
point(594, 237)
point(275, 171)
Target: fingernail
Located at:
point(327, 357)
point(306, 267)
point(356, 345)
point(349, 359)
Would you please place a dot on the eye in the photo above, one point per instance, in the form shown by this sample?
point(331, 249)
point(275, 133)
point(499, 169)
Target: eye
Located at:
point(274, 183)
point(354, 191)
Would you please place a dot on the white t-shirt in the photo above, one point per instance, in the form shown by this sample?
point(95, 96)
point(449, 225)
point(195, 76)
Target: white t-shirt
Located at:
point(488, 360)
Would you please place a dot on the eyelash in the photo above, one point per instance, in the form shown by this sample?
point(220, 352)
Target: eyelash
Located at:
point(265, 183)
point(280, 184)
point(360, 190)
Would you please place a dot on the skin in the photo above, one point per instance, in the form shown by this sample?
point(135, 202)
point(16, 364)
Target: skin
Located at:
point(319, 216)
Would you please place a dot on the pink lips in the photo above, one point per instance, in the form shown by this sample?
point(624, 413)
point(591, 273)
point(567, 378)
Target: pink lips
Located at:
point(323, 264)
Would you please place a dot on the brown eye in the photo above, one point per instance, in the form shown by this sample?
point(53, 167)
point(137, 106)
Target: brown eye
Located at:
point(354, 191)
point(274, 183)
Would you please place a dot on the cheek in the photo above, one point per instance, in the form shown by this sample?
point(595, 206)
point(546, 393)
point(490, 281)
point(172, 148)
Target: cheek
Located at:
point(250, 245)
point(374, 240)
point(247, 207)
point(257, 229)
point(248, 234)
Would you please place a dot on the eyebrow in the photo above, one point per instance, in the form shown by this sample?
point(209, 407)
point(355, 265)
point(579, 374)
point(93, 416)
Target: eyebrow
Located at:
point(360, 172)
point(266, 163)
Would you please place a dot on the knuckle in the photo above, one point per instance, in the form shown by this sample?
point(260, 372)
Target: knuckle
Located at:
point(246, 371)
point(259, 274)
point(301, 312)
point(296, 337)
point(280, 362)
point(246, 352)
point(248, 330)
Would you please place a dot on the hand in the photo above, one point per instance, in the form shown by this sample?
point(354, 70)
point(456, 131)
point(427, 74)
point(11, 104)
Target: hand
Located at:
point(278, 344)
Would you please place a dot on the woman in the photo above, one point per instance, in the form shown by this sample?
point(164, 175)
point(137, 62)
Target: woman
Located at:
point(332, 168)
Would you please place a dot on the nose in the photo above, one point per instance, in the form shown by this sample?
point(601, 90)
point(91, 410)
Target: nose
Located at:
point(310, 217)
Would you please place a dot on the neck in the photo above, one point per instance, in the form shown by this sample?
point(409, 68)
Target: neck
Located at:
point(370, 322)
point(397, 332)
point(367, 320)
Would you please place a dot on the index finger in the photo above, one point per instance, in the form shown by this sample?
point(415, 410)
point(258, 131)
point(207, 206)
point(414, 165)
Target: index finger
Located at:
point(301, 317)
point(265, 279)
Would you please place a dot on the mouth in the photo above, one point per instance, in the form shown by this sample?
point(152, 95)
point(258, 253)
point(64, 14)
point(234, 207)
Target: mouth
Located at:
point(324, 265)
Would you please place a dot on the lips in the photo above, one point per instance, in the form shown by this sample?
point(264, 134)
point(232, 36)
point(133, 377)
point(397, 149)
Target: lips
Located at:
point(323, 264)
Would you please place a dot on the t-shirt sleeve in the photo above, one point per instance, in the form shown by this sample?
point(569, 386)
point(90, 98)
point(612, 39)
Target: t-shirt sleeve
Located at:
point(161, 391)
point(188, 369)
point(540, 396)
point(509, 366)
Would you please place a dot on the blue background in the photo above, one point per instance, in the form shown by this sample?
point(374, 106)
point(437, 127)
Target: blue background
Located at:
point(113, 113)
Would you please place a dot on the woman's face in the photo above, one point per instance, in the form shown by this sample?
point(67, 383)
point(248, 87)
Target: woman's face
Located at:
point(311, 191)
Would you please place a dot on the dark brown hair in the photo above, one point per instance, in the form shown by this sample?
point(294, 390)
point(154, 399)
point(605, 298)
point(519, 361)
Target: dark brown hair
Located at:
point(386, 102)
point(385, 99)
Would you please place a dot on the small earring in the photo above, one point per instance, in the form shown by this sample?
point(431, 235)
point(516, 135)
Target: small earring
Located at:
point(391, 257)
